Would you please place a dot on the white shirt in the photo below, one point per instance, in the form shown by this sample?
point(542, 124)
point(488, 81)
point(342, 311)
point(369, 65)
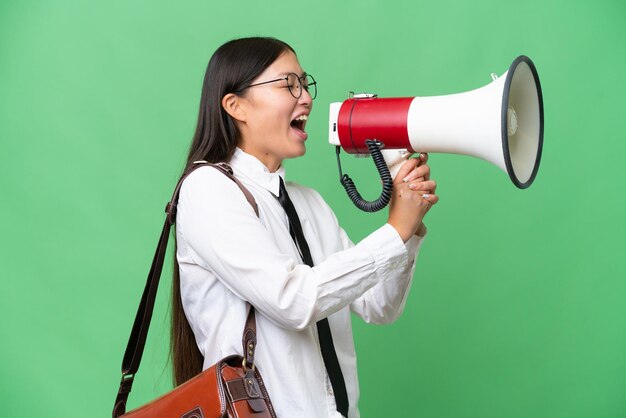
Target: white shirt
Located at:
point(227, 256)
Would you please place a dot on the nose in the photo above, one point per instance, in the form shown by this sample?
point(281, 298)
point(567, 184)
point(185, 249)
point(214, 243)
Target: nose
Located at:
point(305, 99)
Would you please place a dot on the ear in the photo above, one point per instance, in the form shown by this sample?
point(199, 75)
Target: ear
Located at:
point(233, 106)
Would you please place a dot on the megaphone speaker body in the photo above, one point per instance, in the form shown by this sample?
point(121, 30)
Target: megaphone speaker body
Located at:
point(501, 122)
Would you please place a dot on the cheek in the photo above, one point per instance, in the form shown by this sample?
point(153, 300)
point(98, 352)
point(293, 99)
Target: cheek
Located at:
point(278, 120)
point(275, 113)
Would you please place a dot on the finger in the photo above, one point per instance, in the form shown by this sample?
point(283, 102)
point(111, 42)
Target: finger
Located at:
point(426, 186)
point(406, 168)
point(417, 172)
point(423, 157)
point(431, 198)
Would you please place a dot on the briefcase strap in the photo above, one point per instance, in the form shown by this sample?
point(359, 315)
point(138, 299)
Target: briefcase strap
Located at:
point(139, 333)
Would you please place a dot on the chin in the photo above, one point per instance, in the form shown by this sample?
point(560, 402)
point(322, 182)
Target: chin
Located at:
point(301, 151)
point(296, 150)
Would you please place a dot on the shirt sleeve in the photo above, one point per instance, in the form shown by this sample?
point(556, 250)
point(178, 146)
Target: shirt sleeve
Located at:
point(222, 234)
point(385, 302)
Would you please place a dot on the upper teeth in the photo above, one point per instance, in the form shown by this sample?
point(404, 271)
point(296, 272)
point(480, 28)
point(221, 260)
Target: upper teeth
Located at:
point(302, 117)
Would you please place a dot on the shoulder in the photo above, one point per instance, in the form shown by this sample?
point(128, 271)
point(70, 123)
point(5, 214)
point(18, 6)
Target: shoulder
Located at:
point(203, 177)
point(208, 187)
point(208, 179)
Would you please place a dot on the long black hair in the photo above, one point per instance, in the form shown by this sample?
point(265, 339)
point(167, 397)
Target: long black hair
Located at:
point(232, 67)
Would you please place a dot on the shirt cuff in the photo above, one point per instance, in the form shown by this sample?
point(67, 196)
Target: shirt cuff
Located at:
point(415, 242)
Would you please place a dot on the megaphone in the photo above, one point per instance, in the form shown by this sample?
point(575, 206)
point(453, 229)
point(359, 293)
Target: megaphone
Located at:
point(501, 122)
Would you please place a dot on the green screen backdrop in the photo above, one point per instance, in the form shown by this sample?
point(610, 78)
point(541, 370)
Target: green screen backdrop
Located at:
point(518, 307)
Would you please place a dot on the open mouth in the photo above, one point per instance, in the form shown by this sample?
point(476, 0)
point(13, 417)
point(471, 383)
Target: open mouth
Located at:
point(300, 122)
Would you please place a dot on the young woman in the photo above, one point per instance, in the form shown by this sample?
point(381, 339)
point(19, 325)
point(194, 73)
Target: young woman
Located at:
point(256, 100)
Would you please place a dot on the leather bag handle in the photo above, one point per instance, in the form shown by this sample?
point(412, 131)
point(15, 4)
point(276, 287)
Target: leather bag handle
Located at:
point(139, 333)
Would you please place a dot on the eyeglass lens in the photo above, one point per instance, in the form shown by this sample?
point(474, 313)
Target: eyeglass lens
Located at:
point(296, 84)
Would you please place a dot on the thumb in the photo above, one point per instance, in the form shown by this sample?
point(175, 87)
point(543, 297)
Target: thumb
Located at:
point(404, 171)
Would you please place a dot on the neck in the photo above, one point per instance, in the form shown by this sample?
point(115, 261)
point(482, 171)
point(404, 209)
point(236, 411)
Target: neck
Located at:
point(269, 161)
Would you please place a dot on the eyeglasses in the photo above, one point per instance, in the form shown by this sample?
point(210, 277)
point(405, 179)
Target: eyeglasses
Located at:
point(295, 84)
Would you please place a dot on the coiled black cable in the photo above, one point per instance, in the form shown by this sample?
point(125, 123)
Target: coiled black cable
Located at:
point(385, 196)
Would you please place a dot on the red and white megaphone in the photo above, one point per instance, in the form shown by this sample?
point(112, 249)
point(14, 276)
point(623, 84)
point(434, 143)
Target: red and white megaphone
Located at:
point(501, 122)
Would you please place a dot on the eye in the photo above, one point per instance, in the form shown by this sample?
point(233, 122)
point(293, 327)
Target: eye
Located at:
point(293, 81)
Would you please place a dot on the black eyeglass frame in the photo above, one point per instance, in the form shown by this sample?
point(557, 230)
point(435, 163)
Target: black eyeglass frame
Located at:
point(302, 86)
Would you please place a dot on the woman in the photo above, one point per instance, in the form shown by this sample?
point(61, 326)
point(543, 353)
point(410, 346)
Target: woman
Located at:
point(255, 103)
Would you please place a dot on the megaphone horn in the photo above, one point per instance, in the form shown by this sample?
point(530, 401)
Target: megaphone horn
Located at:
point(501, 122)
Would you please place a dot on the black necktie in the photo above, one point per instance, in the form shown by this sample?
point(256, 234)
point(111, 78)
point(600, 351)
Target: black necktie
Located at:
point(323, 328)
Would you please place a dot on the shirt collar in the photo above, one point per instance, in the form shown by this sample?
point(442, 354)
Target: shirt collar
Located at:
point(249, 166)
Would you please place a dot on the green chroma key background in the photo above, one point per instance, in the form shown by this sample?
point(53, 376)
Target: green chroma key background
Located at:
point(518, 306)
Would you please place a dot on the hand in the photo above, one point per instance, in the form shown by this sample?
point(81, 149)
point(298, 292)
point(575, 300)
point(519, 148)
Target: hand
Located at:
point(413, 196)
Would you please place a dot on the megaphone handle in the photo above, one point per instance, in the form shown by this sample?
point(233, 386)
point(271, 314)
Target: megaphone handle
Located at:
point(385, 196)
